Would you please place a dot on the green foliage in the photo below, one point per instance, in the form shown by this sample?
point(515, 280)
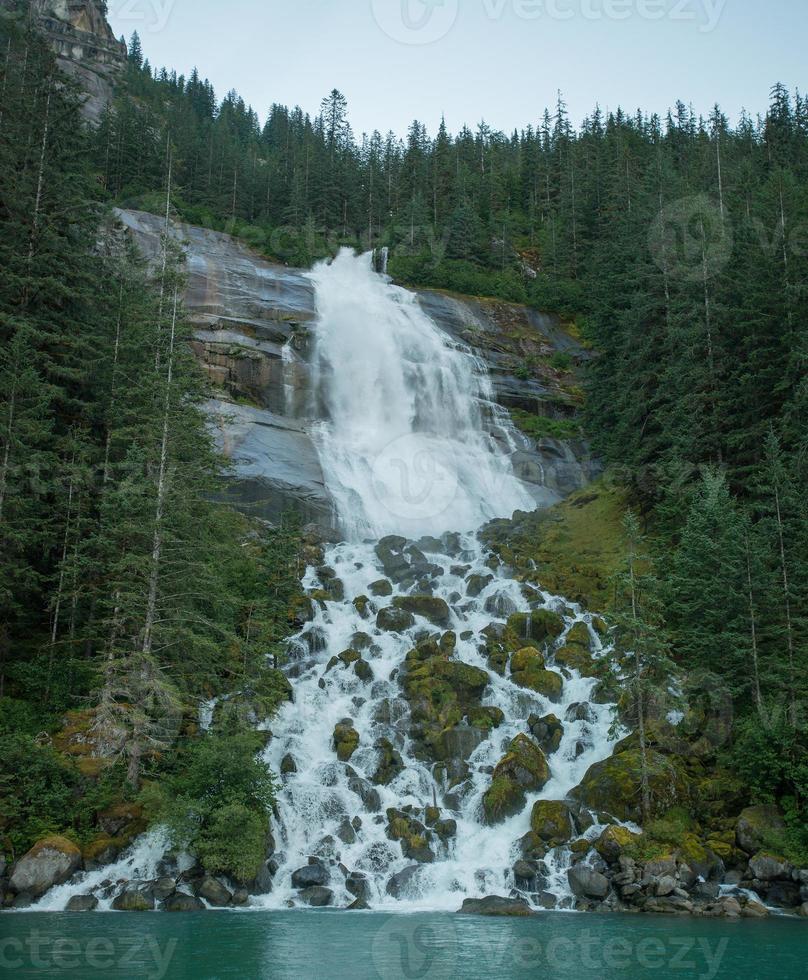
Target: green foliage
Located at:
point(542, 427)
point(771, 758)
point(218, 784)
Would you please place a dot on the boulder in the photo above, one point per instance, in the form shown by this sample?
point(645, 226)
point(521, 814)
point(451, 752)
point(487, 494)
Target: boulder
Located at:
point(288, 765)
point(390, 762)
point(133, 899)
point(475, 584)
point(317, 896)
point(525, 764)
point(428, 607)
point(393, 620)
point(309, 876)
point(381, 589)
point(367, 794)
point(576, 658)
point(614, 785)
point(768, 867)
point(82, 903)
point(585, 882)
point(51, 861)
point(503, 799)
point(364, 671)
point(358, 885)
point(346, 740)
point(551, 821)
point(613, 841)
point(539, 626)
point(495, 905)
point(756, 826)
point(163, 888)
point(214, 892)
point(545, 682)
point(548, 732)
point(179, 902)
point(400, 884)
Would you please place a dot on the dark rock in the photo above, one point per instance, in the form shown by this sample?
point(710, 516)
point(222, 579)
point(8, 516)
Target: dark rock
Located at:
point(390, 762)
point(548, 732)
point(133, 899)
point(587, 883)
point(367, 794)
point(381, 589)
point(769, 868)
point(494, 905)
point(393, 620)
point(179, 902)
point(310, 876)
point(475, 584)
point(288, 766)
point(164, 887)
point(214, 892)
point(399, 886)
point(357, 884)
point(82, 903)
point(317, 896)
point(428, 607)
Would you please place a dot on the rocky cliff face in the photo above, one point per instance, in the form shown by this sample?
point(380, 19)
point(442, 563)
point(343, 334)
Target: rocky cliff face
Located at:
point(251, 323)
point(86, 48)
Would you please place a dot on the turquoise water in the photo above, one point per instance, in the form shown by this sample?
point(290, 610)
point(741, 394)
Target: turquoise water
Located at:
point(356, 946)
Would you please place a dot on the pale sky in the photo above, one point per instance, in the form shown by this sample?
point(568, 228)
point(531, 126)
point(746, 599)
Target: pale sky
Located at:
point(498, 60)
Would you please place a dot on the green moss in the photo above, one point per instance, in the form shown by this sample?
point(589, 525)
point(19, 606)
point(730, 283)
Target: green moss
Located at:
point(503, 799)
point(546, 682)
point(539, 427)
point(551, 822)
point(577, 546)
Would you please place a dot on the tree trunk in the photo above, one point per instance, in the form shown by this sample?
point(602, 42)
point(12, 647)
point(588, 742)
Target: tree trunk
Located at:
point(157, 545)
point(40, 185)
point(792, 694)
point(753, 627)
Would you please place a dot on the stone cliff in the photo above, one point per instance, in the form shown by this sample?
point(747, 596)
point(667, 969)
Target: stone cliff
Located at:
point(251, 321)
point(86, 48)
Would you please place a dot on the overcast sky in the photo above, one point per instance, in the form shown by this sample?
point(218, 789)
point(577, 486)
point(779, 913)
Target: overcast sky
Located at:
point(498, 60)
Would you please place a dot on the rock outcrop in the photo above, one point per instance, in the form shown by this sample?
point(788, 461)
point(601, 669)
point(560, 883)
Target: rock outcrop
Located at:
point(85, 46)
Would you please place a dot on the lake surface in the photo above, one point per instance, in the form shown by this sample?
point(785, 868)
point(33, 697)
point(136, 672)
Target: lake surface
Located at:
point(370, 946)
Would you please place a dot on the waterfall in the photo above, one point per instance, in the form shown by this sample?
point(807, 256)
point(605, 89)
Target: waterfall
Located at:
point(403, 447)
point(406, 436)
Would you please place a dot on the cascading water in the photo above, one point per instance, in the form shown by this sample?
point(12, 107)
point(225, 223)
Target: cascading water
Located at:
point(411, 444)
point(404, 448)
point(406, 451)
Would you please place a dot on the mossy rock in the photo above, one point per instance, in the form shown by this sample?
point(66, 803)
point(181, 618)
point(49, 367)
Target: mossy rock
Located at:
point(700, 859)
point(578, 636)
point(541, 626)
point(503, 799)
point(393, 620)
point(348, 657)
point(524, 764)
point(431, 608)
point(577, 658)
point(363, 671)
point(381, 589)
point(362, 605)
point(486, 718)
point(496, 647)
point(527, 659)
point(548, 732)
point(614, 786)
point(546, 682)
point(759, 827)
point(346, 740)
point(614, 841)
point(551, 821)
point(390, 762)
